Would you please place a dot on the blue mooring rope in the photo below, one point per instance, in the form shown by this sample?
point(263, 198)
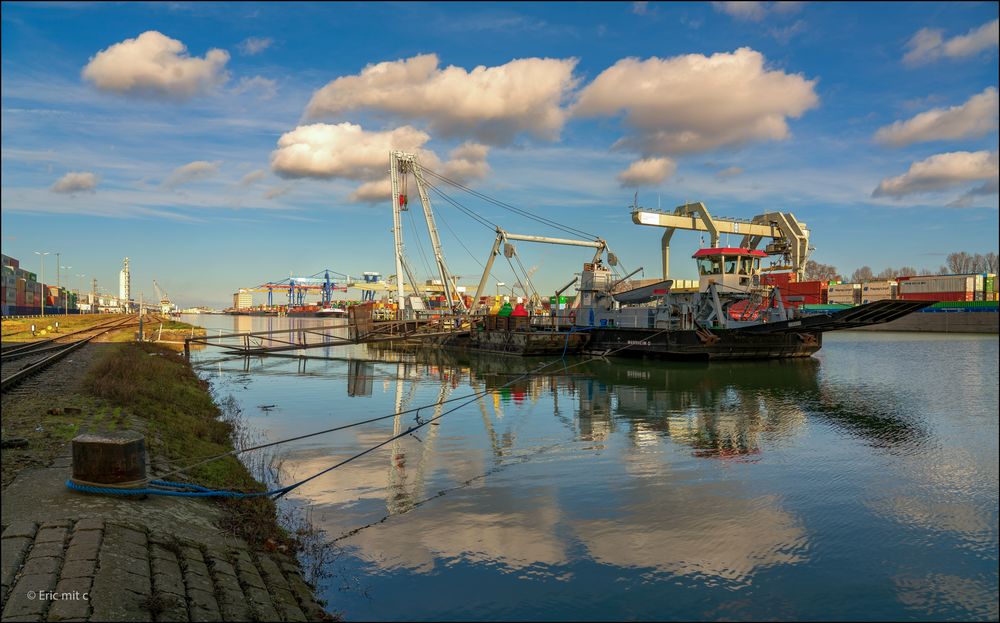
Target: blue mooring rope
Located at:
point(159, 487)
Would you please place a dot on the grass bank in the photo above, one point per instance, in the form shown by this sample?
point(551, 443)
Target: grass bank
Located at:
point(154, 386)
point(19, 329)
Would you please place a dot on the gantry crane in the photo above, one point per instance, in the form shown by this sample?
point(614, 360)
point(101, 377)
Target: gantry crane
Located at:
point(790, 237)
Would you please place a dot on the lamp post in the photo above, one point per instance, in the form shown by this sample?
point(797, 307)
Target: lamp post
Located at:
point(66, 297)
point(41, 257)
point(79, 290)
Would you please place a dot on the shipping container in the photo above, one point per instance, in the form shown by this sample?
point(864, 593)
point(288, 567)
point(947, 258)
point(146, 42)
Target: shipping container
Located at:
point(937, 296)
point(965, 284)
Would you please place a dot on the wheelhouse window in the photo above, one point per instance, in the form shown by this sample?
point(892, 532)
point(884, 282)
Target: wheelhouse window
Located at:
point(710, 266)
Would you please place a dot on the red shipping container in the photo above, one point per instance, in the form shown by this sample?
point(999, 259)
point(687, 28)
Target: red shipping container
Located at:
point(777, 279)
point(937, 296)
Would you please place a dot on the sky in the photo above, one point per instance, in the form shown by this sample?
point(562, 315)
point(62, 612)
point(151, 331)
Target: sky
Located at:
point(224, 145)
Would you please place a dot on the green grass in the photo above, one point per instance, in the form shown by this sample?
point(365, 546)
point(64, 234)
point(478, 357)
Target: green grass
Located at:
point(157, 387)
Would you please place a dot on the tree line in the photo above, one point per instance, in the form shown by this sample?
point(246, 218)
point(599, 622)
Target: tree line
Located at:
point(955, 263)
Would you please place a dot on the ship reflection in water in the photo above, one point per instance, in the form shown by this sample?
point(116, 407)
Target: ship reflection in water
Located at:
point(628, 489)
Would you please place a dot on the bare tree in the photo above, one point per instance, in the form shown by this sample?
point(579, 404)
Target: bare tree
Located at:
point(888, 273)
point(990, 260)
point(821, 272)
point(906, 271)
point(960, 262)
point(862, 274)
point(941, 271)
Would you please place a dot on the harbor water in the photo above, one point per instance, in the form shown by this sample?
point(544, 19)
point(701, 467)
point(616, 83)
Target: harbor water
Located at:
point(861, 483)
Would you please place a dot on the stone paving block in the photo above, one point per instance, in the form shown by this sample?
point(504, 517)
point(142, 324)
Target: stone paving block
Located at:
point(20, 529)
point(174, 608)
point(233, 605)
point(71, 604)
point(221, 567)
point(250, 577)
point(12, 556)
point(126, 535)
point(53, 550)
point(271, 572)
point(82, 552)
point(86, 537)
point(51, 535)
point(20, 604)
point(91, 523)
point(196, 567)
point(57, 523)
point(286, 605)
point(260, 603)
point(42, 566)
point(137, 583)
point(203, 607)
point(168, 583)
point(158, 552)
point(198, 582)
point(131, 550)
point(78, 569)
point(190, 552)
point(112, 603)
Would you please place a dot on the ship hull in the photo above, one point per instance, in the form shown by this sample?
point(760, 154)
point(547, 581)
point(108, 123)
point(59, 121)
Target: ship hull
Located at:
point(719, 344)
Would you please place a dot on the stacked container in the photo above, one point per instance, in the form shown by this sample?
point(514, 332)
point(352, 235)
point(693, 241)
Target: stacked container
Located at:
point(804, 293)
point(844, 294)
point(872, 291)
point(941, 288)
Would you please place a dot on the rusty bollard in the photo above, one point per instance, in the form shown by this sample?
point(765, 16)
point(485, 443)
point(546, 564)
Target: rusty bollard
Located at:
point(110, 460)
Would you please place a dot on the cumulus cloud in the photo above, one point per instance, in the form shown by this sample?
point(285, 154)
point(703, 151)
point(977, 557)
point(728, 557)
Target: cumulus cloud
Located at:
point(975, 117)
point(254, 45)
point(347, 151)
point(492, 104)
point(647, 172)
point(694, 103)
point(755, 11)
point(154, 65)
point(192, 172)
point(75, 182)
point(253, 177)
point(928, 44)
point(940, 172)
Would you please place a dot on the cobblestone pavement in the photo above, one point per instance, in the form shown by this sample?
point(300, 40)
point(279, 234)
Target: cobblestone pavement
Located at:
point(69, 556)
point(90, 569)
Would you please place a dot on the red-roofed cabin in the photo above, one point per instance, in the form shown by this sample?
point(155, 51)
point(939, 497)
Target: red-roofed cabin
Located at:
point(730, 268)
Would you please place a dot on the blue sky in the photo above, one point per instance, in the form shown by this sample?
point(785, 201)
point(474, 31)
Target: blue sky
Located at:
point(125, 134)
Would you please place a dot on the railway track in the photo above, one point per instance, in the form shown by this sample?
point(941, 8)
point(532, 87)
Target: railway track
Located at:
point(23, 361)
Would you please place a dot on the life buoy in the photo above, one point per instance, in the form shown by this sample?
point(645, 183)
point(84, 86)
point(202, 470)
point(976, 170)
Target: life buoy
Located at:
point(572, 317)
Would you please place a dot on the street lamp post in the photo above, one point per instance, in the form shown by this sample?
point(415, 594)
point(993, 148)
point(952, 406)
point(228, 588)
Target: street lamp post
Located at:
point(65, 298)
point(79, 290)
point(42, 282)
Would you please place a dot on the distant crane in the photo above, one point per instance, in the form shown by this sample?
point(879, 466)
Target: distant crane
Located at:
point(165, 306)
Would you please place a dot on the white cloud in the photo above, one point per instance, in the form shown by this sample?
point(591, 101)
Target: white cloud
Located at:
point(941, 171)
point(75, 182)
point(755, 11)
point(277, 191)
point(728, 173)
point(253, 177)
point(192, 172)
point(347, 151)
point(265, 87)
point(694, 103)
point(493, 104)
point(975, 117)
point(154, 65)
point(647, 172)
point(928, 44)
point(254, 45)
point(640, 8)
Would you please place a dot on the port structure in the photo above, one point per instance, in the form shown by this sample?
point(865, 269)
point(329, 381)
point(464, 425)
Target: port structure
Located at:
point(504, 239)
point(298, 287)
point(165, 306)
point(789, 236)
point(401, 165)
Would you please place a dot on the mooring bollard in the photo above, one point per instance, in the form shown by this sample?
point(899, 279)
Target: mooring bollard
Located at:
point(110, 460)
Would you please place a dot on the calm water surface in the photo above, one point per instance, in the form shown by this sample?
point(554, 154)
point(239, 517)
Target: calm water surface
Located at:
point(859, 484)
